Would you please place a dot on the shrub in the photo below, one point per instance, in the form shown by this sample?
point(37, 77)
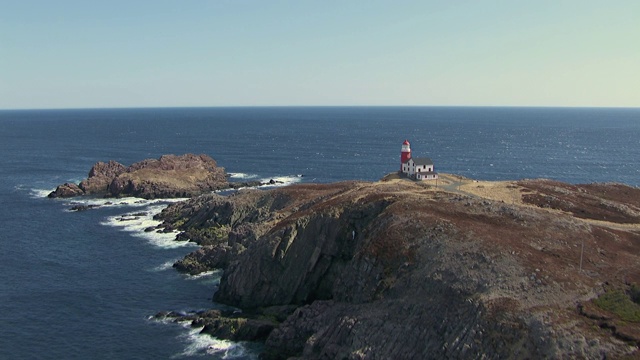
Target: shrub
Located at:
point(635, 293)
point(620, 304)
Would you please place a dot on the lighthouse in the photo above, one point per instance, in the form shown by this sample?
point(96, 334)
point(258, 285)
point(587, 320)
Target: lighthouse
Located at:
point(420, 168)
point(405, 153)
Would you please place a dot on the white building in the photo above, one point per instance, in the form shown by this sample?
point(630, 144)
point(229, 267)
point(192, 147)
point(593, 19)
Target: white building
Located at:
point(416, 168)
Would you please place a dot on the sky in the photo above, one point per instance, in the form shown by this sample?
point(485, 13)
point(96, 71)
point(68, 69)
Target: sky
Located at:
point(102, 54)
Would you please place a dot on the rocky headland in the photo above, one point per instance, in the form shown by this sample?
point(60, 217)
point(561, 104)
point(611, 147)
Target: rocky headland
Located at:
point(398, 269)
point(170, 176)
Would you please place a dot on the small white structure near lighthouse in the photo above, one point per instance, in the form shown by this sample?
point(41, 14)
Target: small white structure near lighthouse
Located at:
point(416, 168)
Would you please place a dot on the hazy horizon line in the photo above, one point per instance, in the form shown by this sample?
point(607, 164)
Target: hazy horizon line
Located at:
point(317, 106)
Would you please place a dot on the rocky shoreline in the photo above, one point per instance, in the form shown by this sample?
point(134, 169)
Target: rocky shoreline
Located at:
point(399, 269)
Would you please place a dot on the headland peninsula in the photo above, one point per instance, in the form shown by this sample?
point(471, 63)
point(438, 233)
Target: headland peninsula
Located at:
point(416, 270)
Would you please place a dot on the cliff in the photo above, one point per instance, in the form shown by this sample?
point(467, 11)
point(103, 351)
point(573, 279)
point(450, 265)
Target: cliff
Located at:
point(403, 270)
point(169, 176)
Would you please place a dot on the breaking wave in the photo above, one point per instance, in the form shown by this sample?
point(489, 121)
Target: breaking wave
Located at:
point(267, 183)
point(204, 275)
point(142, 225)
point(240, 175)
point(38, 193)
point(204, 344)
point(119, 202)
point(281, 180)
point(165, 266)
point(208, 278)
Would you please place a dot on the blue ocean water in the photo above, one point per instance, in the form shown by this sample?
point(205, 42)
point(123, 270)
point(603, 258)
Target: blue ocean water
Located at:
point(83, 284)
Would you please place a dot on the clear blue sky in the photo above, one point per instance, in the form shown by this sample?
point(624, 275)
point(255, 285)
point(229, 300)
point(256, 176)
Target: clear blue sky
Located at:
point(79, 54)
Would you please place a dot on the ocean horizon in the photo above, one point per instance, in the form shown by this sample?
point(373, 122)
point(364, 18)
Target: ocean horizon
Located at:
point(186, 107)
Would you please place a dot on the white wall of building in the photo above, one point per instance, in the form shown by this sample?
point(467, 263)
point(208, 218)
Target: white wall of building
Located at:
point(420, 172)
point(426, 176)
point(409, 167)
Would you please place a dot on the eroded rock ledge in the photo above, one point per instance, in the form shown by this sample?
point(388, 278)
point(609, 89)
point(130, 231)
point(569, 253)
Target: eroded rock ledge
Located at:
point(169, 176)
point(399, 269)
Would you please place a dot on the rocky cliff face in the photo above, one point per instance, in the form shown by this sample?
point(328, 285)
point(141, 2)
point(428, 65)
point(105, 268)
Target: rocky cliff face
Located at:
point(169, 176)
point(397, 269)
point(100, 177)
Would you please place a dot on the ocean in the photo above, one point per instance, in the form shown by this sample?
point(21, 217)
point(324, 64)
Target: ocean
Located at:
point(80, 285)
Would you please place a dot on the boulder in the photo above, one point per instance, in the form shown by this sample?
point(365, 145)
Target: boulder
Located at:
point(84, 207)
point(207, 258)
point(238, 329)
point(66, 190)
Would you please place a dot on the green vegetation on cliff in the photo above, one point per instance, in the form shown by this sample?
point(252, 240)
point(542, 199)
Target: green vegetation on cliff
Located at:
point(620, 304)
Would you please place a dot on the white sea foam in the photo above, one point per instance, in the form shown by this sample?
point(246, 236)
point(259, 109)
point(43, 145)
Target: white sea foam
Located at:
point(165, 266)
point(278, 182)
point(120, 202)
point(282, 180)
point(43, 193)
point(203, 275)
point(209, 278)
point(205, 344)
point(242, 176)
point(137, 222)
point(38, 193)
point(134, 202)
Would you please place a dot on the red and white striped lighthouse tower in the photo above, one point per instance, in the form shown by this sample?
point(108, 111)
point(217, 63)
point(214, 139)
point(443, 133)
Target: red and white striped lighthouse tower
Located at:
point(405, 153)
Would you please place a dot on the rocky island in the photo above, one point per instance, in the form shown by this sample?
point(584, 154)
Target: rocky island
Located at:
point(398, 269)
point(170, 176)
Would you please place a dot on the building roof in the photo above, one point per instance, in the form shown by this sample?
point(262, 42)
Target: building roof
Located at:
point(422, 161)
point(406, 142)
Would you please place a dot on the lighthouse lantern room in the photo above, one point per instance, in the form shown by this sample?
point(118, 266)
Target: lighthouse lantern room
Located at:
point(415, 168)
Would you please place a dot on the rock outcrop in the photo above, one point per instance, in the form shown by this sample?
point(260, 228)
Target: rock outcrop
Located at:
point(169, 176)
point(100, 177)
point(231, 325)
point(399, 269)
point(66, 190)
